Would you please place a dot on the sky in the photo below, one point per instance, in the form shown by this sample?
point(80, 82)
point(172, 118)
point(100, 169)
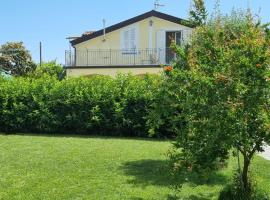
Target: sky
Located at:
point(51, 21)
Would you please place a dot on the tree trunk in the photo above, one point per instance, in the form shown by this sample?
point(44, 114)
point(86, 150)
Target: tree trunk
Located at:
point(245, 173)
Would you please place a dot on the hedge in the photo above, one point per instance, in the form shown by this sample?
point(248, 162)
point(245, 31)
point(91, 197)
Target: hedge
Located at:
point(98, 105)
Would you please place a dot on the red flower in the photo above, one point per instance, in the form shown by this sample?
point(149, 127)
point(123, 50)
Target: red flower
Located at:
point(168, 68)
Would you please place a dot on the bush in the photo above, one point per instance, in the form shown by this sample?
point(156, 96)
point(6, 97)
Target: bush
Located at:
point(219, 98)
point(234, 191)
point(99, 105)
point(49, 68)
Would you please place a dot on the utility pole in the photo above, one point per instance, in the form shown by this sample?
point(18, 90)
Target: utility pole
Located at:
point(40, 53)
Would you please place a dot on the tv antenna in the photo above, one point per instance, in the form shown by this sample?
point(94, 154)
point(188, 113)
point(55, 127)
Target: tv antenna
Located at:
point(157, 4)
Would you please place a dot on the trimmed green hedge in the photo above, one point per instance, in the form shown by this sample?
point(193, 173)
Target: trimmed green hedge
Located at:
point(99, 105)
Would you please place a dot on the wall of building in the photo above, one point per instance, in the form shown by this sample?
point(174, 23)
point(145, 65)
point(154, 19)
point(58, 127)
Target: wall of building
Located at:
point(112, 71)
point(108, 51)
point(113, 39)
point(100, 52)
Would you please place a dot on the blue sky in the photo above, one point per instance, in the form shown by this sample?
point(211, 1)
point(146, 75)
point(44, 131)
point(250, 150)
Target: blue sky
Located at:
point(51, 21)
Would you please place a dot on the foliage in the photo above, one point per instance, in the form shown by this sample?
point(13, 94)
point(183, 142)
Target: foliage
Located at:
point(186, 99)
point(235, 55)
point(160, 118)
point(49, 68)
point(234, 191)
point(220, 100)
point(99, 105)
point(15, 58)
point(198, 13)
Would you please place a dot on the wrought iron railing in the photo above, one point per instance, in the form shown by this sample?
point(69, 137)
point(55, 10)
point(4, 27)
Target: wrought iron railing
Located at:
point(116, 57)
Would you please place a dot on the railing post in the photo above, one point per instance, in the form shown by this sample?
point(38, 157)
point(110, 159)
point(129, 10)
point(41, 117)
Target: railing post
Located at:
point(87, 58)
point(99, 58)
point(134, 56)
point(159, 60)
point(65, 57)
point(110, 56)
point(70, 58)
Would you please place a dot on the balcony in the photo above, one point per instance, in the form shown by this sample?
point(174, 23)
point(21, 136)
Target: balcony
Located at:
point(118, 58)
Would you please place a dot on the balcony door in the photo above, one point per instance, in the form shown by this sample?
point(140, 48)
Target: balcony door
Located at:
point(172, 36)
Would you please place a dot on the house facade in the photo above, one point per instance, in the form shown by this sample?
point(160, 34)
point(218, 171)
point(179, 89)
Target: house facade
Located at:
point(138, 45)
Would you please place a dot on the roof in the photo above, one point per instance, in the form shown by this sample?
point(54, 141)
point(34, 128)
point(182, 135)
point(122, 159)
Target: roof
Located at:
point(4, 73)
point(133, 20)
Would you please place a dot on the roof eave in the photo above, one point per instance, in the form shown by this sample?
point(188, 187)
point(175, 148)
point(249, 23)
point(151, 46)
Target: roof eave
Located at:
point(133, 20)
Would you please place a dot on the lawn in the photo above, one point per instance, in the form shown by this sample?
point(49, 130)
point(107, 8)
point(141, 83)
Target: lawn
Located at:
point(57, 167)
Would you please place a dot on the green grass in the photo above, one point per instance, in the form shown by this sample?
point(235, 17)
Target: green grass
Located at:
point(44, 167)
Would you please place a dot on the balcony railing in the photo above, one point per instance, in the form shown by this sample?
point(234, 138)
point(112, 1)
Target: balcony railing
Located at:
point(114, 57)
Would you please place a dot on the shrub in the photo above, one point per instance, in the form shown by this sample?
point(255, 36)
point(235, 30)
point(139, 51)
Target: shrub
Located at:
point(49, 68)
point(234, 191)
point(99, 105)
point(219, 100)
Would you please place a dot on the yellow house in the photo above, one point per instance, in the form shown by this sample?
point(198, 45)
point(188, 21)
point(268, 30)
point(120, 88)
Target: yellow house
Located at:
point(138, 45)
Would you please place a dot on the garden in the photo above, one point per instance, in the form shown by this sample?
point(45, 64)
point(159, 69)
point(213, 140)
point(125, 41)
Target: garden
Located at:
point(193, 132)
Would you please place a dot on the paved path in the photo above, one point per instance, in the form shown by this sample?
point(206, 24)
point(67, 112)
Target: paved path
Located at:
point(266, 153)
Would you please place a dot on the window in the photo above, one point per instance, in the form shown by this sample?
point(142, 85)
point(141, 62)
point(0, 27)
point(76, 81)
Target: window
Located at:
point(129, 40)
point(172, 36)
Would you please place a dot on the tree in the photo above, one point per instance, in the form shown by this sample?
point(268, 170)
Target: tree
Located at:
point(15, 58)
point(221, 100)
point(235, 56)
point(49, 68)
point(198, 13)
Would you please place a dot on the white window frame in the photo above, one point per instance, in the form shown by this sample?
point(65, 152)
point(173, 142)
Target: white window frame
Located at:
point(126, 42)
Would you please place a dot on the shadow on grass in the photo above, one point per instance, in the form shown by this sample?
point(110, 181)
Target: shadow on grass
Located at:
point(158, 172)
point(200, 197)
point(193, 197)
point(148, 172)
